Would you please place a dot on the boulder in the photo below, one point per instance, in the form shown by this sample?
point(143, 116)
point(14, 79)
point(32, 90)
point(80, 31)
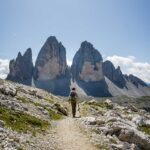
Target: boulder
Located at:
point(132, 108)
point(136, 137)
point(100, 120)
point(125, 146)
point(92, 102)
point(60, 109)
point(109, 103)
point(8, 91)
point(139, 120)
point(89, 120)
point(147, 123)
point(112, 113)
point(2, 124)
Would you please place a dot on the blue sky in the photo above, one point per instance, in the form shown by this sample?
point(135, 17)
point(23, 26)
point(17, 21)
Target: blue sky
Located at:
point(114, 27)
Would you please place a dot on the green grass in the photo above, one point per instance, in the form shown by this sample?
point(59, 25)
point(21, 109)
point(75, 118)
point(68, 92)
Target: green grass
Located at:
point(53, 115)
point(145, 98)
point(23, 99)
point(22, 122)
point(97, 131)
point(103, 146)
point(39, 104)
point(49, 100)
point(85, 109)
point(145, 129)
point(112, 140)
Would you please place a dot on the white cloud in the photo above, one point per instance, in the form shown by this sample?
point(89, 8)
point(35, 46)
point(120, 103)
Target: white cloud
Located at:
point(69, 62)
point(4, 68)
point(34, 59)
point(129, 65)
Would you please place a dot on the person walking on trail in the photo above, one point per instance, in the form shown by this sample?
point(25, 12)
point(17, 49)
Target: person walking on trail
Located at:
point(73, 100)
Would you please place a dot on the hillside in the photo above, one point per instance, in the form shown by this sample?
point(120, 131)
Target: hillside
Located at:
point(26, 115)
point(33, 119)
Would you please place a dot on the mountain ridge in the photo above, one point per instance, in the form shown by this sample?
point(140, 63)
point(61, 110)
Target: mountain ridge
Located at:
point(88, 70)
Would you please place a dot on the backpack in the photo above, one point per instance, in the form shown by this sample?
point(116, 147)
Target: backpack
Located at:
point(73, 96)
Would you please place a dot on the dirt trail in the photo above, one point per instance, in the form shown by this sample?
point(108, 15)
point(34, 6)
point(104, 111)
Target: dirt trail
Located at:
point(65, 134)
point(69, 136)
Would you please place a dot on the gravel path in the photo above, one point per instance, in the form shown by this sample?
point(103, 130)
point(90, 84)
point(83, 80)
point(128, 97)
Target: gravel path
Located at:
point(69, 136)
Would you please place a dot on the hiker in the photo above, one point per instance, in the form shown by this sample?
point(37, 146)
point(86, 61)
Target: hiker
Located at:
point(73, 99)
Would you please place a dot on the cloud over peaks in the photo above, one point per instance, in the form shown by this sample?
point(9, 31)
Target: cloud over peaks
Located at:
point(69, 62)
point(129, 65)
point(4, 68)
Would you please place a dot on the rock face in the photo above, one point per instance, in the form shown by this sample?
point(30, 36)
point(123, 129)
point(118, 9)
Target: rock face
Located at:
point(136, 81)
point(87, 63)
point(87, 70)
point(115, 75)
point(51, 70)
point(21, 69)
point(51, 61)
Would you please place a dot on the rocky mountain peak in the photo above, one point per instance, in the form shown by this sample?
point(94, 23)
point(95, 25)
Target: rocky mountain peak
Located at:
point(19, 55)
point(87, 70)
point(87, 48)
point(87, 64)
point(51, 70)
point(136, 81)
point(52, 39)
point(86, 45)
point(21, 69)
point(115, 75)
point(119, 69)
point(28, 53)
point(51, 60)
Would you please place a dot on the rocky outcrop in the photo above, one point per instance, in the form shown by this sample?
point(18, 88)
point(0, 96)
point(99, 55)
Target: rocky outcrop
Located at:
point(87, 70)
point(115, 75)
point(116, 127)
point(21, 69)
point(51, 71)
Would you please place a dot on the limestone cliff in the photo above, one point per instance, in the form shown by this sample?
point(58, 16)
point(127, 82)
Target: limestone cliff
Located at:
point(87, 70)
point(21, 69)
point(115, 75)
point(51, 70)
